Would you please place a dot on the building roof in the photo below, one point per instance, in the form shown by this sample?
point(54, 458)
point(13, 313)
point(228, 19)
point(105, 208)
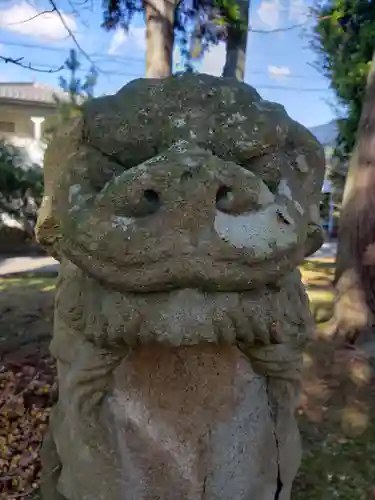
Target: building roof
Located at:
point(30, 92)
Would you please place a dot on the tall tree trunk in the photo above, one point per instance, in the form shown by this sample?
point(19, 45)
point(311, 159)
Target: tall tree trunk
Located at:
point(355, 268)
point(159, 37)
point(235, 60)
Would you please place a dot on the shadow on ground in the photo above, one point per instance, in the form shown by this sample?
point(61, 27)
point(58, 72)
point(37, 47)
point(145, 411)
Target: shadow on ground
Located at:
point(26, 313)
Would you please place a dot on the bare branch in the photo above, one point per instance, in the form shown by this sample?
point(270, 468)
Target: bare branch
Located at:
point(278, 30)
point(83, 4)
point(71, 34)
point(76, 13)
point(288, 28)
point(31, 18)
point(18, 62)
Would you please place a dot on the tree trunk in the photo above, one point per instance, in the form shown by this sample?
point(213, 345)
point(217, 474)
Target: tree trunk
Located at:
point(355, 268)
point(235, 60)
point(159, 37)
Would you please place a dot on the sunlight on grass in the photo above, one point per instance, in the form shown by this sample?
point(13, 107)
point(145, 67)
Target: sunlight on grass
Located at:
point(318, 272)
point(28, 281)
point(320, 296)
point(321, 304)
point(360, 370)
point(354, 420)
point(317, 277)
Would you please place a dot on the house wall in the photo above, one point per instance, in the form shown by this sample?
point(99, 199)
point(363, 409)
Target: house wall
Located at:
point(21, 115)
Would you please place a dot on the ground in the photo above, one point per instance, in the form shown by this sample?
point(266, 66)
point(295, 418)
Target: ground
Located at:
point(337, 407)
point(336, 411)
point(27, 380)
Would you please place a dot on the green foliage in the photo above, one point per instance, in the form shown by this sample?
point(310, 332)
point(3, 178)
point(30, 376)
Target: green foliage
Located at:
point(344, 39)
point(21, 185)
point(15, 179)
point(75, 87)
point(77, 91)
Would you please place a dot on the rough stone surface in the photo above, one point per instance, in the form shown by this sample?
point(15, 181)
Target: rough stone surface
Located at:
point(179, 209)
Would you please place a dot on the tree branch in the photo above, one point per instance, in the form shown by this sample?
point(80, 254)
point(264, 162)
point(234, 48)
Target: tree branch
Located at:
point(31, 18)
point(71, 34)
point(77, 13)
point(288, 28)
point(278, 30)
point(18, 62)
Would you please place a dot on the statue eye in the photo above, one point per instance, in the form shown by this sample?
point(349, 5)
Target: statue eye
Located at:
point(267, 167)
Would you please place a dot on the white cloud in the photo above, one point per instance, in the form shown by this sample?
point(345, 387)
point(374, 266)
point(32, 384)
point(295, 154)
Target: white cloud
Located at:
point(117, 41)
point(298, 11)
point(269, 13)
point(278, 71)
point(25, 19)
point(134, 38)
point(214, 60)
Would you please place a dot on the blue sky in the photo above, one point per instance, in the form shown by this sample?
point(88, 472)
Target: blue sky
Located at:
point(279, 64)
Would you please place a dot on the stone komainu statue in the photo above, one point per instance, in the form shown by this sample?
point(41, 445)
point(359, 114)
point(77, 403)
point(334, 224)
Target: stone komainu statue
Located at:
point(179, 210)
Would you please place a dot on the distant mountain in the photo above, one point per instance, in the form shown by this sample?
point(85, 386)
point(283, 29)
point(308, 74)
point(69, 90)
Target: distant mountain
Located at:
point(326, 133)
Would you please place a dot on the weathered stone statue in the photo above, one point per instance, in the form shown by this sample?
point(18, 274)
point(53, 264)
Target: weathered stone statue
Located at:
point(179, 210)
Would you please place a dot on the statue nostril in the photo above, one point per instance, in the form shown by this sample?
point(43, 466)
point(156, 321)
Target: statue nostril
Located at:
point(224, 198)
point(151, 196)
point(150, 203)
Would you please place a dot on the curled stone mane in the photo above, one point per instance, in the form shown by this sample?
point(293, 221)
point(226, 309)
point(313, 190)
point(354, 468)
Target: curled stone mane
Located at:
point(180, 210)
point(185, 317)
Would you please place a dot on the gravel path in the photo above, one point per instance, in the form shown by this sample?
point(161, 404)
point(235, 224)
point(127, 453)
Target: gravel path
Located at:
point(18, 265)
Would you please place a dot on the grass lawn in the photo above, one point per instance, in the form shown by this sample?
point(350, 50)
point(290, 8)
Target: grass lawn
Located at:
point(26, 312)
point(337, 407)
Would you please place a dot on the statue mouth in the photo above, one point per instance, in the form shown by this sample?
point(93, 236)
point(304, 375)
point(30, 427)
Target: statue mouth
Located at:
point(230, 271)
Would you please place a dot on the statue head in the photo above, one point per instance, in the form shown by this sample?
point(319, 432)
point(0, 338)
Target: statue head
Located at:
point(188, 182)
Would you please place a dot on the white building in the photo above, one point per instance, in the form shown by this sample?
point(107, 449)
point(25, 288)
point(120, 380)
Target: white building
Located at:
point(23, 110)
